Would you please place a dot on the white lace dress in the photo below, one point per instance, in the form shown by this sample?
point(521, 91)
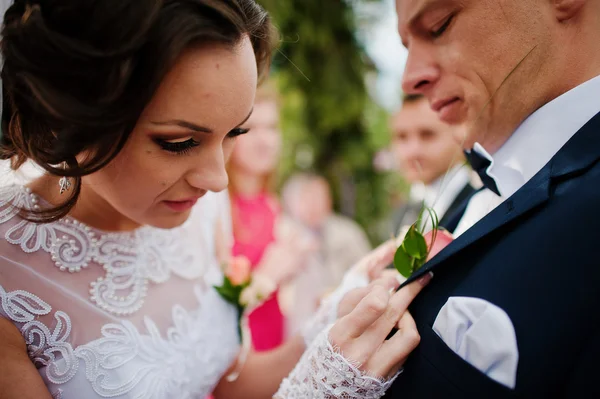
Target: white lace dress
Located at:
point(127, 315)
point(135, 315)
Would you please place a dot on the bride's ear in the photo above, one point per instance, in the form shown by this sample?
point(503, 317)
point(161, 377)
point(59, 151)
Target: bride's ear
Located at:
point(567, 9)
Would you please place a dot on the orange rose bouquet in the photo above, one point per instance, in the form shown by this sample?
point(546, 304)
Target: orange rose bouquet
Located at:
point(242, 289)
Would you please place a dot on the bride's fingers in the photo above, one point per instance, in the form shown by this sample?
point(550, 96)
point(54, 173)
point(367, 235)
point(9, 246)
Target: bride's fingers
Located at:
point(389, 282)
point(397, 306)
point(388, 359)
point(345, 331)
point(393, 273)
point(352, 298)
point(361, 332)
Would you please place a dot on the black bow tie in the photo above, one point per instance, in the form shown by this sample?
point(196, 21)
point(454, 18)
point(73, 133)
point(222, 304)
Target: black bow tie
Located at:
point(480, 164)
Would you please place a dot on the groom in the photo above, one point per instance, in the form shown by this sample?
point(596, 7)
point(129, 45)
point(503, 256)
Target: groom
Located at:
point(514, 307)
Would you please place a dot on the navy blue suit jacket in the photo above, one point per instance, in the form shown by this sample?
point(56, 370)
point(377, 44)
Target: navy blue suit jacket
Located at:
point(537, 256)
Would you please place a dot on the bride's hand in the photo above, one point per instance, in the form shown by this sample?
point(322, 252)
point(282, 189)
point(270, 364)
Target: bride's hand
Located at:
point(356, 283)
point(352, 359)
point(361, 334)
point(351, 299)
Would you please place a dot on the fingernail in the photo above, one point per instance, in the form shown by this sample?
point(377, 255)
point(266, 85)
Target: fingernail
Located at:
point(426, 279)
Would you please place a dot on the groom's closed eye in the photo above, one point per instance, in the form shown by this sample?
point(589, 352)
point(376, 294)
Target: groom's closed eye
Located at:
point(439, 31)
point(432, 19)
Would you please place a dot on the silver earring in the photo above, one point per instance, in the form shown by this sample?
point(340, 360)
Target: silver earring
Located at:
point(64, 183)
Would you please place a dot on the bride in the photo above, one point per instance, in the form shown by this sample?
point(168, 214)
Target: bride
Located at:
point(108, 261)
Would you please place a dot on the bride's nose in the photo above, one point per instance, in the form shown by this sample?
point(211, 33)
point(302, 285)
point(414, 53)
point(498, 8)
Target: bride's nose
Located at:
point(210, 173)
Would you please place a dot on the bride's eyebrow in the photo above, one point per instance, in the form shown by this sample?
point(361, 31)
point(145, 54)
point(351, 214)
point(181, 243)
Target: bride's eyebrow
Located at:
point(192, 126)
point(184, 124)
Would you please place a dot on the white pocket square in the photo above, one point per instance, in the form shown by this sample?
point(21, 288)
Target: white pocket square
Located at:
point(482, 334)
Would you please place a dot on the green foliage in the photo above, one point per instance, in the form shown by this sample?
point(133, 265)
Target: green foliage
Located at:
point(232, 293)
point(414, 244)
point(414, 250)
point(330, 124)
point(404, 263)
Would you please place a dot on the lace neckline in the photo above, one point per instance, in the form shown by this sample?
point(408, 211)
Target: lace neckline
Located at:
point(131, 260)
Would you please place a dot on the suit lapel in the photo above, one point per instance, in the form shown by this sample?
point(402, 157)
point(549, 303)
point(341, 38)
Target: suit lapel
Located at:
point(579, 154)
point(535, 193)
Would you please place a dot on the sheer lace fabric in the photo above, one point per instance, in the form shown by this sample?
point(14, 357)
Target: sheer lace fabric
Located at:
point(134, 315)
point(324, 373)
point(117, 315)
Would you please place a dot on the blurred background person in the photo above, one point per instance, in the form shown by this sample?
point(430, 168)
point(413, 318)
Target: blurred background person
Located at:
point(255, 212)
point(431, 160)
point(339, 242)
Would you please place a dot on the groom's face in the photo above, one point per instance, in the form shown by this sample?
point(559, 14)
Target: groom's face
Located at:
point(481, 63)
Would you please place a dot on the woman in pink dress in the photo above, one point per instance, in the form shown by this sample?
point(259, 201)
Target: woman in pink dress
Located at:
point(255, 211)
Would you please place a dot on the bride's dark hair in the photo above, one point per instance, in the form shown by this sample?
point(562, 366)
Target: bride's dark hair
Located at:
point(78, 73)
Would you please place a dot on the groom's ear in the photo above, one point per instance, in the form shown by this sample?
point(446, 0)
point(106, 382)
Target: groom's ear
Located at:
point(567, 9)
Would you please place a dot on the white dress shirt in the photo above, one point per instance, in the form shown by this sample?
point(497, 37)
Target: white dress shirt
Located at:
point(478, 331)
point(440, 194)
point(532, 146)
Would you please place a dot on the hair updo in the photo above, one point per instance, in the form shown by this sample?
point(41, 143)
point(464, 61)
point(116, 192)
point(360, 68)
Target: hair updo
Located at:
point(77, 74)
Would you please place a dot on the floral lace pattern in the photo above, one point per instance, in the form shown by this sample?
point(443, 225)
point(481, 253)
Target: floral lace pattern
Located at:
point(146, 364)
point(130, 260)
point(132, 362)
point(324, 373)
point(186, 360)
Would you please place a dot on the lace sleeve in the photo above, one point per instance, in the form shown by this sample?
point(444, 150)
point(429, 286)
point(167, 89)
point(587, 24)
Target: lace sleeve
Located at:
point(324, 373)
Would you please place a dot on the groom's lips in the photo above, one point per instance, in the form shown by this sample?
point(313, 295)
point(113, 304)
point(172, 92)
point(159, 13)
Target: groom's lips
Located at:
point(446, 108)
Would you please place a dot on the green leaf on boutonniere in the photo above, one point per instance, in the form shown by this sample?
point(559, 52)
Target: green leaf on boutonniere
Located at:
point(403, 262)
point(414, 244)
point(412, 253)
point(418, 264)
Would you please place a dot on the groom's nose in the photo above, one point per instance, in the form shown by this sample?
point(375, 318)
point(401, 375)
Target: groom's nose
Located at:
point(421, 72)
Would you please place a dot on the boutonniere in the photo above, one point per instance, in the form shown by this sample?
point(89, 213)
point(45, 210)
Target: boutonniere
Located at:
point(417, 247)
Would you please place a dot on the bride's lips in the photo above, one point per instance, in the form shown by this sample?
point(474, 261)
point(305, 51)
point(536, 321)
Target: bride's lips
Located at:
point(182, 205)
point(447, 109)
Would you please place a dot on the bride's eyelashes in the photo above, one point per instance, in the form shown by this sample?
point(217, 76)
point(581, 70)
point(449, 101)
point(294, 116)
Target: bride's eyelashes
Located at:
point(237, 132)
point(177, 147)
point(184, 146)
